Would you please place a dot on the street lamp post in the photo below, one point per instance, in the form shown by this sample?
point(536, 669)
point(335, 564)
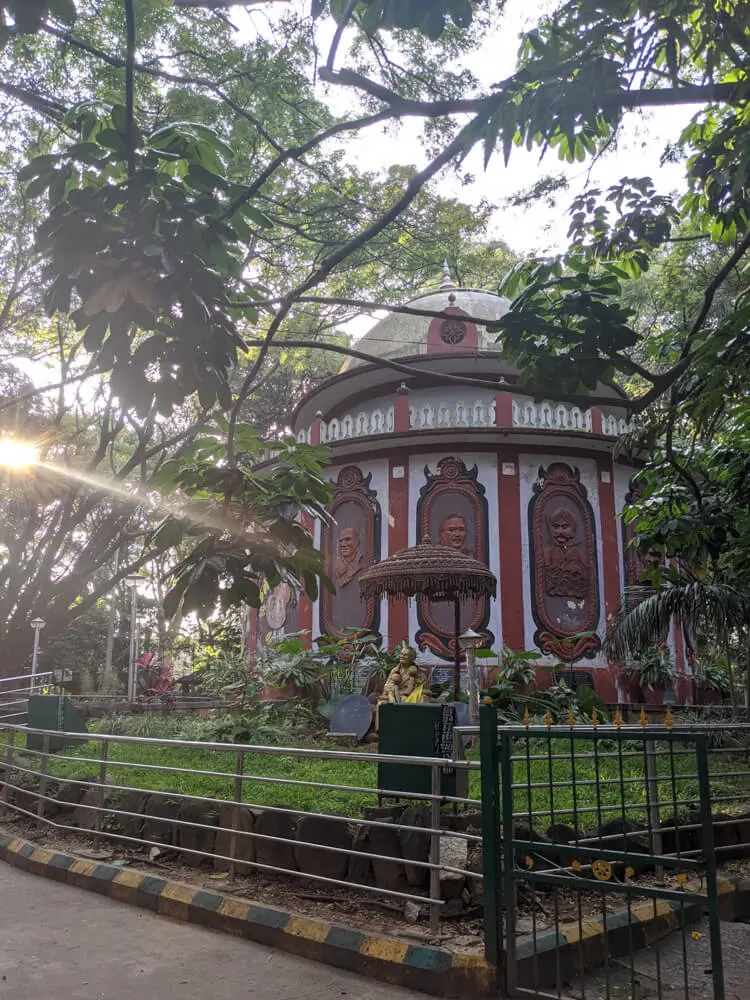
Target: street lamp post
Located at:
point(468, 641)
point(132, 582)
point(37, 624)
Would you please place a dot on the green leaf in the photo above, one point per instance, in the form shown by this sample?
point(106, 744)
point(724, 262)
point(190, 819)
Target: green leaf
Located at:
point(119, 117)
point(40, 184)
point(257, 216)
point(338, 9)
point(110, 139)
point(39, 165)
point(167, 534)
point(86, 152)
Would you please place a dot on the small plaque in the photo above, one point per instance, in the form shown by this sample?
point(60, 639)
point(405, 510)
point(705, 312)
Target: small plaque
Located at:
point(509, 468)
point(398, 472)
point(444, 735)
point(352, 716)
point(606, 476)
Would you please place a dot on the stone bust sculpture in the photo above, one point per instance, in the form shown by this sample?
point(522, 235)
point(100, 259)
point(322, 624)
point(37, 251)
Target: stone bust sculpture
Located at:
point(349, 562)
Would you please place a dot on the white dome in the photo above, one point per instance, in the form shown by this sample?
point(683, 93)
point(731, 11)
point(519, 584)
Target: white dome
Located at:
point(402, 335)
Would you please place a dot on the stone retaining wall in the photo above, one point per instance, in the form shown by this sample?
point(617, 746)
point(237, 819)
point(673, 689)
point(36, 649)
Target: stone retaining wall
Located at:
point(238, 833)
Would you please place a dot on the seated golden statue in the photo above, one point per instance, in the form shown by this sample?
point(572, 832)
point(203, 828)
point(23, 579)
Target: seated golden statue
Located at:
point(405, 678)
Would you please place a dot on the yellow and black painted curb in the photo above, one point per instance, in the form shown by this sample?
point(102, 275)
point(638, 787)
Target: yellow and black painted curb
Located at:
point(542, 958)
point(546, 957)
point(393, 960)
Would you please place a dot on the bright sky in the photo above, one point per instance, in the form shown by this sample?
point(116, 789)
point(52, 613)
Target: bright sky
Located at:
point(538, 228)
point(535, 229)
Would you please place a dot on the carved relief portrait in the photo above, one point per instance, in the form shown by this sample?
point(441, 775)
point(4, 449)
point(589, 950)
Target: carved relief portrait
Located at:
point(452, 511)
point(348, 563)
point(565, 586)
point(279, 613)
point(453, 532)
point(349, 547)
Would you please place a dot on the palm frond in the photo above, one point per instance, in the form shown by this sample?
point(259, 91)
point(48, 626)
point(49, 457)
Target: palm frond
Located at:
point(645, 614)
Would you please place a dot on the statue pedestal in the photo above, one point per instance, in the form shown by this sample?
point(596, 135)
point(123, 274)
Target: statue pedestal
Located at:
point(419, 730)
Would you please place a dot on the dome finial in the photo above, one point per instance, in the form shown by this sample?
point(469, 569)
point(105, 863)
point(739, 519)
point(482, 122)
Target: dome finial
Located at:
point(447, 281)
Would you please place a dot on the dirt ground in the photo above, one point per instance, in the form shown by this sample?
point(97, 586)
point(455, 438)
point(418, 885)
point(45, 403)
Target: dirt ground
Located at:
point(538, 910)
point(347, 905)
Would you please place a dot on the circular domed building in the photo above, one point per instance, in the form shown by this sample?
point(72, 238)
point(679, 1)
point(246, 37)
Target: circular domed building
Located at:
point(529, 486)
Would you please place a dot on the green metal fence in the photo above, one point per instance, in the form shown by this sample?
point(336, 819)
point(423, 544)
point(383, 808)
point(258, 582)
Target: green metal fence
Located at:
point(599, 864)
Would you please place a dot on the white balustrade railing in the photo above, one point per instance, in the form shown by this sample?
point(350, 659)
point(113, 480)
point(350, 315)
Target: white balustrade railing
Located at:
point(470, 413)
point(360, 424)
point(546, 415)
point(614, 426)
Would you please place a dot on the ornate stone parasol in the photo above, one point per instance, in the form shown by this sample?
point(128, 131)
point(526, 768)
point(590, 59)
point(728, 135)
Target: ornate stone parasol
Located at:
point(436, 572)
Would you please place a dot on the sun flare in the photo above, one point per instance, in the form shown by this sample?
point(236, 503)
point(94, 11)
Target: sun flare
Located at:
point(15, 454)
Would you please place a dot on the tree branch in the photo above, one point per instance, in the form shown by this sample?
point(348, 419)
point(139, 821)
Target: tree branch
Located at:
point(412, 371)
point(345, 18)
point(29, 394)
point(130, 84)
point(669, 378)
point(46, 107)
point(415, 185)
point(714, 285)
point(295, 152)
point(723, 93)
point(363, 304)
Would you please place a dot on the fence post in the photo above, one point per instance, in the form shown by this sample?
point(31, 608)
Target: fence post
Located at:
point(712, 891)
point(238, 789)
point(491, 818)
point(435, 848)
point(654, 812)
point(40, 804)
point(102, 783)
point(8, 765)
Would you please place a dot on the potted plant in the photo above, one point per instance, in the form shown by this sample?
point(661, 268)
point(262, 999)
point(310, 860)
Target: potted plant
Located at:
point(654, 670)
point(712, 681)
point(517, 669)
point(288, 667)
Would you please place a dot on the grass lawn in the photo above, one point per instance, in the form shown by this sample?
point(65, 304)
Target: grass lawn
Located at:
point(196, 779)
point(554, 785)
point(567, 781)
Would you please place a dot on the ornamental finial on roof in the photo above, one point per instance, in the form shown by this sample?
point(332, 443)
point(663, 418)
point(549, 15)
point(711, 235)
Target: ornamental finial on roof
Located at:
point(447, 281)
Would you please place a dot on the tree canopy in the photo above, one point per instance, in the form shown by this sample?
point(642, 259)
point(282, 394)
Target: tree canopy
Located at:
point(189, 191)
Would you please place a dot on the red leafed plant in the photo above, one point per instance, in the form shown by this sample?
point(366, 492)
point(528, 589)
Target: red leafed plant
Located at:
point(156, 681)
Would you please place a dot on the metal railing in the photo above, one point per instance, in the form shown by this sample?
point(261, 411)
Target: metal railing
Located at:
point(237, 840)
point(609, 859)
point(15, 692)
point(564, 746)
point(148, 793)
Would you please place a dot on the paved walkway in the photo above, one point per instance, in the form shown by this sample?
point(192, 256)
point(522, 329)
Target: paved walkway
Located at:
point(62, 943)
point(659, 972)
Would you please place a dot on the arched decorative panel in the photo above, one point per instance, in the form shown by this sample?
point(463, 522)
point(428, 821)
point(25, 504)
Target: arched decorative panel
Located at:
point(564, 578)
point(452, 511)
point(279, 613)
point(350, 547)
